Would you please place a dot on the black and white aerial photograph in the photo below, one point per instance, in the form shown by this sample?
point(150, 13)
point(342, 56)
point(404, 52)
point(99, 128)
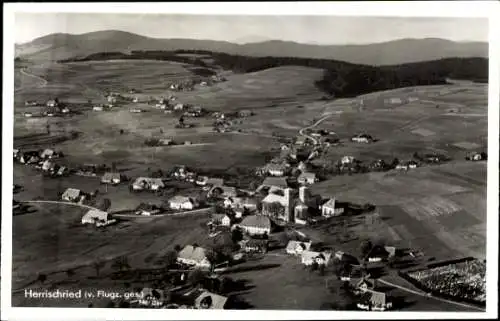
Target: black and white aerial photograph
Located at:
point(248, 162)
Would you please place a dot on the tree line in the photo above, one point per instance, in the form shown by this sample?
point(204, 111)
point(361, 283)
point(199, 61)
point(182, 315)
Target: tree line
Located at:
point(340, 79)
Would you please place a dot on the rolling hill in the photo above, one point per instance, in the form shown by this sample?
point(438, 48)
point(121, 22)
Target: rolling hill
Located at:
point(65, 46)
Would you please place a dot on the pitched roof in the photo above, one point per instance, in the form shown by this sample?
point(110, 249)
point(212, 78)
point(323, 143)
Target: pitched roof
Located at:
point(280, 182)
point(96, 214)
point(307, 175)
point(108, 176)
point(330, 203)
point(377, 298)
point(218, 301)
point(149, 180)
point(179, 199)
point(259, 221)
point(274, 198)
point(310, 255)
point(71, 193)
point(228, 191)
point(189, 252)
point(292, 245)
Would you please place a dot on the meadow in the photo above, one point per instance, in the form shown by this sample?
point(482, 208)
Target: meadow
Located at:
point(440, 209)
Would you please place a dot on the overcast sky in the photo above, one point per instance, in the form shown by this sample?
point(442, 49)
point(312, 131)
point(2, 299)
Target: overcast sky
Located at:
point(304, 29)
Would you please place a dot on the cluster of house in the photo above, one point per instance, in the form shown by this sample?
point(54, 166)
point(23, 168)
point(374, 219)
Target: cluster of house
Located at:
point(42, 159)
point(280, 203)
point(475, 156)
point(184, 298)
point(52, 108)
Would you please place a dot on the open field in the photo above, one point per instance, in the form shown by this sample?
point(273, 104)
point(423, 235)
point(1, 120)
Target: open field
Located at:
point(436, 209)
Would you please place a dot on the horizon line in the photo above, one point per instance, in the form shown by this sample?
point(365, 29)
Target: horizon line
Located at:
point(251, 42)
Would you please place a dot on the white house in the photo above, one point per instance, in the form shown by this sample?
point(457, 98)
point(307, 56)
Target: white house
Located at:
point(330, 208)
point(179, 106)
point(194, 256)
point(226, 221)
point(182, 203)
point(276, 169)
point(136, 110)
point(72, 195)
point(97, 108)
point(347, 160)
point(307, 178)
point(362, 138)
point(311, 257)
point(256, 225)
point(146, 183)
point(201, 180)
point(296, 247)
point(52, 103)
point(111, 178)
point(97, 217)
point(47, 165)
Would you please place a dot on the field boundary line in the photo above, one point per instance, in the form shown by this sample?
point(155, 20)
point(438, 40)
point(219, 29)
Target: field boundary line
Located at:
point(422, 294)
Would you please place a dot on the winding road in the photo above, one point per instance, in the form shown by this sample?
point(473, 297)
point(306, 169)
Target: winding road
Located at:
point(23, 71)
point(314, 140)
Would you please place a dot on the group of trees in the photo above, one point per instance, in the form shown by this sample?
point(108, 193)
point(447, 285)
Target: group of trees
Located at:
point(340, 79)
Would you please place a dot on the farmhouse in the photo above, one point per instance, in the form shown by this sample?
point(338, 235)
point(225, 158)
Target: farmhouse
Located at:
point(222, 192)
point(194, 256)
point(245, 113)
point(48, 153)
point(221, 219)
point(311, 257)
point(111, 178)
point(394, 100)
point(47, 165)
point(276, 169)
point(209, 300)
point(52, 103)
point(254, 246)
point(182, 203)
point(72, 195)
point(146, 183)
point(330, 208)
point(307, 178)
point(148, 209)
point(347, 160)
point(99, 218)
point(98, 108)
point(375, 301)
point(256, 225)
point(476, 157)
point(179, 106)
point(136, 110)
point(296, 247)
point(362, 138)
point(277, 182)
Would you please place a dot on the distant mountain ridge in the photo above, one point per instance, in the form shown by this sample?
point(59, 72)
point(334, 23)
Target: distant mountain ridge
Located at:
point(60, 46)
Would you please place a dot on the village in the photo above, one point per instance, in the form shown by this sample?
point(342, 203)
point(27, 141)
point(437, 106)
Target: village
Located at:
point(250, 220)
